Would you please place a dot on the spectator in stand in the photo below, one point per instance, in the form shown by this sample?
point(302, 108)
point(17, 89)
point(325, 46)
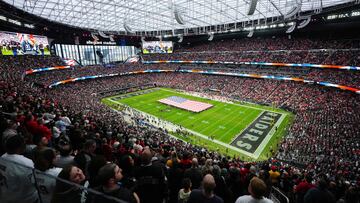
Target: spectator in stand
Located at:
point(206, 193)
point(185, 191)
point(64, 159)
point(46, 178)
point(175, 175)
point(16, 173)
point(10, 131)
point(257, 190)
point(150, 180)
point(95, 164)
point(83, 158)
point(303, 187)
point(67, 192)
point(274, 175)
point(31, 124)
point(194, 174)
point(221, 188)
point(41, 142)
point(174, 159)
point(108, 177)
point(320, 193)
point(43, 130)
point(127, 164)
point(351, 195)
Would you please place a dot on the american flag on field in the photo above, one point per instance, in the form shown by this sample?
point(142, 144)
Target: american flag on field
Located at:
point(186, 104)
point(70, 62)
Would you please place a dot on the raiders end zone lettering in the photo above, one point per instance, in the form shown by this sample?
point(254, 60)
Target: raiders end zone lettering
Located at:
point(250, 139)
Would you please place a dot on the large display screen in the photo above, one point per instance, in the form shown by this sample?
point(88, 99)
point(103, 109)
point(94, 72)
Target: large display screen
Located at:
point(151, 47)
point(12, 43)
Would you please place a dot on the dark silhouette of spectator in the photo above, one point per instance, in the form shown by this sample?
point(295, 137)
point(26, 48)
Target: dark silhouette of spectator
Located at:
point(206, 193)
point(257, 190)
point(320, 193)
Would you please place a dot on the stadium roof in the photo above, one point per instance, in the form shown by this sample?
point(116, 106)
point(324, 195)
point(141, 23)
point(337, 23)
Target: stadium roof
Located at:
point(141, 16)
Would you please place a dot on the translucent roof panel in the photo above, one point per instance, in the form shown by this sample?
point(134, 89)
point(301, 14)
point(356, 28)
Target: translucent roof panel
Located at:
point(152, 15)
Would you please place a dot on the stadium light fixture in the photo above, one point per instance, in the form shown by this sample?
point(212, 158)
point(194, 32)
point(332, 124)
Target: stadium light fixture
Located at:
point(103, 35)
point(304, 23)
point(251, 33)
point(294, 10)
point(179, 19)
point(291, 28)
point(181, 38)
point(128, 29)
point(252, 7)
point(111, 37)
point(211, 36)
point(95, 38)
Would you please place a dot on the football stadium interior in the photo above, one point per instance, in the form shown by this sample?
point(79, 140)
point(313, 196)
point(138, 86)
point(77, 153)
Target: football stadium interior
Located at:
point(176, 101)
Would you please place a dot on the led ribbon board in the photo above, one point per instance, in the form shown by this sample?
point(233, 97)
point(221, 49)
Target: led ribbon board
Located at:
point(355, 90)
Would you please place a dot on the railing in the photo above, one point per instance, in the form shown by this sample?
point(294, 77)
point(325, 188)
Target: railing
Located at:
point(21, 183)
point(278, 197)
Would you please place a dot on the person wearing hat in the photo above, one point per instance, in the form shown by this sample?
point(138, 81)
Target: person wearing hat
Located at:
point(257, 190)
point(109, 176)
point(274, 175)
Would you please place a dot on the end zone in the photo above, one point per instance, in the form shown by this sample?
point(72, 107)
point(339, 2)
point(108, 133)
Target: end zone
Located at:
point(256, 136)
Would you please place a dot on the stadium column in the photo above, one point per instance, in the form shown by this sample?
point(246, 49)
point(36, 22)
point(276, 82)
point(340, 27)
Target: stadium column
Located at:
point(94, 54)
point(78, 48)
point(62, 51)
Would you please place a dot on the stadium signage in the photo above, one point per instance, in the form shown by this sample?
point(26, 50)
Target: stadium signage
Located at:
point(100, 42)
point(251, 138)
point(16, 22)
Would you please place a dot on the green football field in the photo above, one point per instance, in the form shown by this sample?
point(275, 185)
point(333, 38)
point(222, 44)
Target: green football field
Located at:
point(225, 127)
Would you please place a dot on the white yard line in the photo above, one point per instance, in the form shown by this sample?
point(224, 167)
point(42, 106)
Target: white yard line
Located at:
point(246, 127)
point(219, 109)
point(235, 126)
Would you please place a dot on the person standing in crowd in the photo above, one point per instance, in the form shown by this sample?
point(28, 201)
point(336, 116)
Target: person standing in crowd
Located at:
point(185, 192)
point(43, 130)
point(46, 176)
point(108, 177)
point(194, 174)
point(83, 158)
point(11, 130)
point(150, 185)
point(274, 175)
point(301, 189)
point(64, 159)
point(206, 193)
point(16, 173)
point(257, 190)
point(320, 193)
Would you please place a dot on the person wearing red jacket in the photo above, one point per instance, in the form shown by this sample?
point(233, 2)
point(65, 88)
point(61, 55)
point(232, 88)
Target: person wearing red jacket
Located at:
point(303, 187)
point(42, 130)
point(31, 124)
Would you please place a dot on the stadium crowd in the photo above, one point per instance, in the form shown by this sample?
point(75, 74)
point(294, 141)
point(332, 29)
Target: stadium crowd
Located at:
point(271, 43)
point(318, 159)
point(332, 57)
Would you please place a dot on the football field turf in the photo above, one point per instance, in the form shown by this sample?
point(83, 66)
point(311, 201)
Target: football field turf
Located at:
point(247, 130)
